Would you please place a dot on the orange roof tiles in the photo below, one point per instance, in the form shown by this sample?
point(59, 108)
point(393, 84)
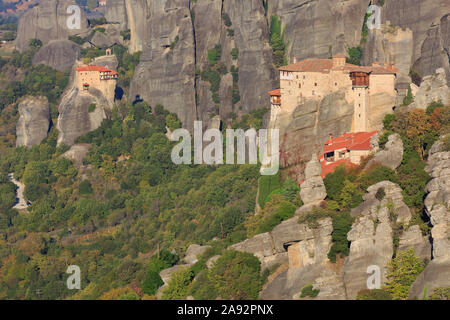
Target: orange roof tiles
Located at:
point(329, 168)
point(276, 92)
point(95, 68)
point(350, 141)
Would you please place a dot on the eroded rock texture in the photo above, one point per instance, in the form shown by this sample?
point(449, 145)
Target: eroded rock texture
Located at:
point(437, 204)
point(433, 88)
point(392, 155)
point(48, 21)
point(34, 121)
point(58, 54)
point(313, 188)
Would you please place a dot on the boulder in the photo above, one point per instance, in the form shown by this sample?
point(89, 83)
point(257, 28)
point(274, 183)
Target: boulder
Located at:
point(433, 88)
point(33, 124)
point(48, 21)
point(193, 252)
point(58, 54)
point(392, 155)
point(313, 188)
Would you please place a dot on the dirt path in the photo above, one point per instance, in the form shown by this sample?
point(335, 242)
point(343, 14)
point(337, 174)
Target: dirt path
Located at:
point(21, 204)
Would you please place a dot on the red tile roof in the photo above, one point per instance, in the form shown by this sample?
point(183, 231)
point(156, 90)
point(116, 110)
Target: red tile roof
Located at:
point(325, 65)
point(276, 92)
point(350, 141)
point(329, 168)
point(95, 68)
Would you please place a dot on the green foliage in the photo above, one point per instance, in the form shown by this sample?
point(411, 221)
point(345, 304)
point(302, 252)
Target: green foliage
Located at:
point(234, 53)
point(226, 19)
point(374, 294)
point(355, 55)
point(92, 107)
point(35, 43)
point(126, 34)
point(214, 54)
point(236, 275)
point(151, 282)
point(333, 182)
point(178, 286)
point(401, 273)
point(308, 291)
point(277, 42)
point(312, 218)
point(409, 98)
point(174, 42)
point(85, 187)
point(440, 293)
point(342, 223)
point(267, 184)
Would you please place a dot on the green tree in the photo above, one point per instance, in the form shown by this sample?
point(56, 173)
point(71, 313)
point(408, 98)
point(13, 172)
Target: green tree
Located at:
point(401, 273)
point(151, 283)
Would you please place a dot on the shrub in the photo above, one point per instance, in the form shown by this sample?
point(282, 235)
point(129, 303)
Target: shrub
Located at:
point(267, 184)
point(151, 283)
point(214, 54)
point(92, 107)
point(342, 223)
point(374, 294)
point(85, 187)
point(308, 291)
point(333, 182)
point(401, 273)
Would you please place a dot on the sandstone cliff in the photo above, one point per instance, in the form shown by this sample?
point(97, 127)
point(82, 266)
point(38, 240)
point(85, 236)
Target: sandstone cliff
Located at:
point(34, 121)
point(47, 21)
point(58, 54)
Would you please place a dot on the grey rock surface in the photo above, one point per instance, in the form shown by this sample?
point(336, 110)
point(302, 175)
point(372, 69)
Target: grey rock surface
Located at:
point(392, 155)
point(193, 252)
point(48, 21)
point(313, 188)
point(58, 54)
point(433, 88)
point(33, 124)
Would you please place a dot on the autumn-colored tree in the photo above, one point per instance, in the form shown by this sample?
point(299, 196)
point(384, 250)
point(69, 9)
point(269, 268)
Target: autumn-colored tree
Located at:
point(418, 128)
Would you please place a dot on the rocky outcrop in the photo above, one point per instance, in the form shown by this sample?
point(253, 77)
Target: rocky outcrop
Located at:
point(437, 205)
point(48, 21)
point(320, 28)
point(392, 154)
point(166, 76)
point(371, 234)
point(433, 88)
point(303, 132)
point(313, 189)
point(77, 153)
point(58, 54)
point(390, 44)
point(193, 252)
point(34, 121)
point(74, 117)
point(106, 39)
point(429, 23)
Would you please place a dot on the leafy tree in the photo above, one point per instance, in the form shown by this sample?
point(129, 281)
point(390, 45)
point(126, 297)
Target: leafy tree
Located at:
point(85, 187)
point(374, 294)
point(308, 291)
point(342, 223)
point(178, 286)
point(151, 282)
point(401, 273)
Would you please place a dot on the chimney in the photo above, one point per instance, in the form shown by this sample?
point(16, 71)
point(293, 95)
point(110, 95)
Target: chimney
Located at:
point(295, 59)
point(331, 139)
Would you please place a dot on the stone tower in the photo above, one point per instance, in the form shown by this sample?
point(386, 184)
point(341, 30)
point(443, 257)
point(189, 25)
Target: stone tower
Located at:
point(360, 86)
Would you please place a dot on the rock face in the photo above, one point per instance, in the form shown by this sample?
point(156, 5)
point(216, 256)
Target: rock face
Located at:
point(303, 132)
point(325, 25)
point(433, 88)
point(74, 118)
point(34, 121)
point(437, 205)
point(193, 252)
point(392, 155)
point(371, 234)
point(48, 21)
point(313, 188)
point(428, 20)
point(106, 39)
point(58, 54)
point(171, 80)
